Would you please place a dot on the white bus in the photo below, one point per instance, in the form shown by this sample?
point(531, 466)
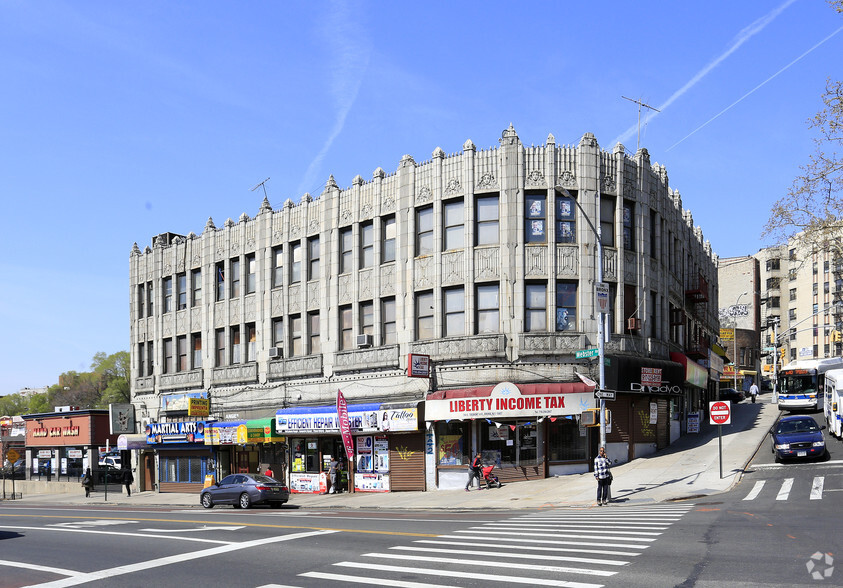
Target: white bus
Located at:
point(801, 383)
point(833, 405)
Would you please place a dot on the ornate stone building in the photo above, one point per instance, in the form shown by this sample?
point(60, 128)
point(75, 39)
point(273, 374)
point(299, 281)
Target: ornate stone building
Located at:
point(483, 261)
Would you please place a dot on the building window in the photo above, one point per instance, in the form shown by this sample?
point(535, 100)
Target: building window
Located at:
point(826, 287)
point(773, 264)
point(566, 220)
point(150, 358)
point(773, 283)
point(654, 234)
point(196, 285)
point(793, 293)
point(295, 265)
point(346, 328)
point(424, 231)
point(628, 226)
point(181, 353)
point(488, 309)
point(424, 316)
point(367, 318)
point(607, 221)
point(791, 255)
point(390, 333)
point(149, 299)
point(313, 332)
point(535, 308)
point(535, 218)
point(825, 267)
point(277, 267)
point(219, 347)
point(141, 301)
point(454, 217)
point(791, 314)
point(775, 301)
point(168, 357)
point(251, 268)
point(235, 345)
point(167, 290)
point(389, 229)
point(220, 278)
point(181, 291)
point(346, 243)
point(197, 350)
point(816, 288)
point(278, 333)
point(454, 300)
point(452, 440)
point(814, 268)
point(565, 442)
point(566, 306)
point(487, 220)
point(791, 274)
point(295, 336)
point(313, 258)
point(141, 360)
point(367, 245)
point(234, 277)
point(251, 342)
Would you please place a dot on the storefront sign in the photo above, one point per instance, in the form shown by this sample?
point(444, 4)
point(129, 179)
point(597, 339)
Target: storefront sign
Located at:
point(121, 418)
point(74, 453)
point(693, 422)
point(362, 418)
point(344, 426)
point(262, 431)
point(506, 401)
point(45, 454)
point(371, 482)
point(651, 376)
point(222, 433)
point(301, 483)
point(418, 365)
point(179, 402)
point(198, 407)
point(183, 432)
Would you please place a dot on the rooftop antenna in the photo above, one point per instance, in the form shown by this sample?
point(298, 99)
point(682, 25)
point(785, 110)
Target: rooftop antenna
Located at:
point(640, 104)
point(261, 185)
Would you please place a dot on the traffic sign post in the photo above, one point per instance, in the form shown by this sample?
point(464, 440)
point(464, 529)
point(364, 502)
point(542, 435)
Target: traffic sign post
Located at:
point(605, 394)
point(583, 353)
point(720, 413)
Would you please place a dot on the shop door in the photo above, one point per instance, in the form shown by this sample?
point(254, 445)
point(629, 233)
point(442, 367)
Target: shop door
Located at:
point(148, 472)
point(242, 464)
point(406, 462)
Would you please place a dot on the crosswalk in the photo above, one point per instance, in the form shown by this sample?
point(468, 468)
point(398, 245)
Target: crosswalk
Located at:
point(570, 548)
point(785, 488)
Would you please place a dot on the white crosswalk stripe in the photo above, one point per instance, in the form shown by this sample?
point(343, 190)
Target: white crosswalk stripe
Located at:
point(570, 548)
point(789, 489)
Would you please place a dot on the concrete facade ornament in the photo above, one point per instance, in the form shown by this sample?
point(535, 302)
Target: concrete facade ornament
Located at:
point(487, 180)
point(265, 207)
point(378, 173)
point(424, 195)
point(438, 153)
point(453, 187)
point(228, 223)
point(535, 178)
point(509, 136)
point(468, 145)
point(567, 179)
point(357, 181)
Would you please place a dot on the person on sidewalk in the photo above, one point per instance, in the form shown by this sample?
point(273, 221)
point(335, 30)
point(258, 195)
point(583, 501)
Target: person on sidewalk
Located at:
point(268, 472)
point(475, 471)
point(603, 474)
point(333, 473)
point(87, 482)
point(753, 391)
point(128, 479)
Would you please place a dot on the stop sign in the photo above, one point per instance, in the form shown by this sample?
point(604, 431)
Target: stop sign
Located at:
point(720, 412)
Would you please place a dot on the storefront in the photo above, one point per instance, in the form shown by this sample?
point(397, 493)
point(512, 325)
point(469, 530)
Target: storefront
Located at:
point(183, 459)
point(145, 458)
point(62, 445)
point(246, 446)
point(527, 430)
point(388, 447)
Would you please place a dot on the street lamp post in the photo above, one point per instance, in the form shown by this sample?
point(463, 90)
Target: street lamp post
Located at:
point(735, 337)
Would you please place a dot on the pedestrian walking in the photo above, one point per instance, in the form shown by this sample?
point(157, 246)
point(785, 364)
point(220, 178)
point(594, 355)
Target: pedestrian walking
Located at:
point(753, 391)
point(128, 478)
point(87, 482)
point(475, 470)
point(603, 475)
point(333, 474)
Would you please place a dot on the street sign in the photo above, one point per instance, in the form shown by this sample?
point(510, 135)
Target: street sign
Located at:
point(720, 412)
point(605, 394)
point(769, 349)
point(12, 455)
point(583, 353)
point(601, 290)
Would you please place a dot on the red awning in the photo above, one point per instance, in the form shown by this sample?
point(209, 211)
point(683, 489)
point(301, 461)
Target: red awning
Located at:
point(480, 391)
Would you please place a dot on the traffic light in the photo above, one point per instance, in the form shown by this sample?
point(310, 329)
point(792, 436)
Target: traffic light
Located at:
point(836, 336)
point(782, 353)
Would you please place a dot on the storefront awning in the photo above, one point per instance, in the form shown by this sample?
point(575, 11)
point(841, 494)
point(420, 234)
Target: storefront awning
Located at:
point(225, 433)
point(262, 431)
point(126, 442)
point(695, 374)
point(372, 417)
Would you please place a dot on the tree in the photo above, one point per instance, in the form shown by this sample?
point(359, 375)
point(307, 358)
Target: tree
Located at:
point(813, 206)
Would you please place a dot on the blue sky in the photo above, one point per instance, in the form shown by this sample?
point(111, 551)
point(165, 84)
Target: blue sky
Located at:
point(124, 120)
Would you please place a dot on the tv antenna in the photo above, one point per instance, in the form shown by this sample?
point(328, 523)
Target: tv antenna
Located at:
point(640, 104)
point(261, 185)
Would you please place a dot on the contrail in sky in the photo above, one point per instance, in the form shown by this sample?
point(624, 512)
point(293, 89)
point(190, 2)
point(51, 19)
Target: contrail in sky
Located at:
point(745, 35)
point(713, 118)
point(343, 34)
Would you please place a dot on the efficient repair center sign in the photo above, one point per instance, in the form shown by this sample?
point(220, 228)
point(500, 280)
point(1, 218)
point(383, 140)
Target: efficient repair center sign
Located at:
point(506, 401)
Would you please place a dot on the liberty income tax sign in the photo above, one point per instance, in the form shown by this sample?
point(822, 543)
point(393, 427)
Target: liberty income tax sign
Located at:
point(720, 412)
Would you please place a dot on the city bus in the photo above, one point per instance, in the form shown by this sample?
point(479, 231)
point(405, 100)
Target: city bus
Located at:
point(834, 402)
point(801, 383)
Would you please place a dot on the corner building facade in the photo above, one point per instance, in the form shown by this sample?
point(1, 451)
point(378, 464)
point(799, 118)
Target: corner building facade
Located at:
point(482, 262)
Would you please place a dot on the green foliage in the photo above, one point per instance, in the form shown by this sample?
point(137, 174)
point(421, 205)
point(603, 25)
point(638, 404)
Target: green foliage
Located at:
point(107, 382)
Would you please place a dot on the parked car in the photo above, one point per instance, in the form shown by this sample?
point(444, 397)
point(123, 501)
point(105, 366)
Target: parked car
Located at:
point(244, 490)
point(109, 470)
point(15, 470)
point(798, 437)
point(731, 394)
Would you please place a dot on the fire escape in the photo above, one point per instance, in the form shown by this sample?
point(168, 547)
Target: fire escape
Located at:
point(696, 297)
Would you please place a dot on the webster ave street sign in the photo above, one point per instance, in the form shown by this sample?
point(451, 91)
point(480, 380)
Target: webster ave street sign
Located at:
point(582, 353)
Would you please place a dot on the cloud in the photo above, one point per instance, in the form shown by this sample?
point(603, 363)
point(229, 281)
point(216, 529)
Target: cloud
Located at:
point(745, 35)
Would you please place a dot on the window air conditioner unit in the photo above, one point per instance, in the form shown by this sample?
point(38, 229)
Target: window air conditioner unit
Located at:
point(633, 324)
point(276, 353)
point(364, 340)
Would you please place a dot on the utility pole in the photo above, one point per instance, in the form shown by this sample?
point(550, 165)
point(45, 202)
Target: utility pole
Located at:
point(640, 104)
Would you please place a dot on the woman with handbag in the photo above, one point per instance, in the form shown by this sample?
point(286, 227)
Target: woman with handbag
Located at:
point(603, 475)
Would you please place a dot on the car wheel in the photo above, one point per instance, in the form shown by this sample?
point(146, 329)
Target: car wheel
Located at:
point(207, 501)
point(245, 501)
point(777, 458)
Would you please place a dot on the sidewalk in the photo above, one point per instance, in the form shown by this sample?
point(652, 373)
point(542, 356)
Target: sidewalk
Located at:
point(689, 468)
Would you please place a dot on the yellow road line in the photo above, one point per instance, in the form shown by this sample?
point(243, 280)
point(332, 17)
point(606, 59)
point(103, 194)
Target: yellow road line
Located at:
point(239, 524)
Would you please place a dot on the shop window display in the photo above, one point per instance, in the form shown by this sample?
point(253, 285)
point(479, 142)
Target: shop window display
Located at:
point(452, 444)
point(305, 455)
point(566, 440)
point(510, 445)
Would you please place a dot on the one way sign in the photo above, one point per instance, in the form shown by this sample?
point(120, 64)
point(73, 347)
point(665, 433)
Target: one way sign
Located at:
point(605, 394)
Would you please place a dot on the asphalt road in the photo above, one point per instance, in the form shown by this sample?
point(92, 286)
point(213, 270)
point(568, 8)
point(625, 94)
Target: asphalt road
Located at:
point(762, 533)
